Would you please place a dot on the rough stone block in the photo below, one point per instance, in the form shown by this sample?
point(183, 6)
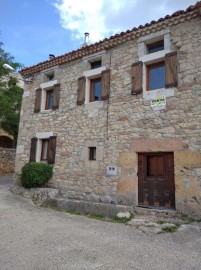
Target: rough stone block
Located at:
point(128, 159)
point(186, 187)
point(157, 145)
point(187, 158)
point(126, 190)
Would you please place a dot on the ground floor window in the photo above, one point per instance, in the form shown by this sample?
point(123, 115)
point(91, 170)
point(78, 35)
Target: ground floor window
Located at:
point(44, 149)
point(92, 153)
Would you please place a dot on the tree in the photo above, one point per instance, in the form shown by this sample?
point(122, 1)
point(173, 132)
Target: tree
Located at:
point(10, 96)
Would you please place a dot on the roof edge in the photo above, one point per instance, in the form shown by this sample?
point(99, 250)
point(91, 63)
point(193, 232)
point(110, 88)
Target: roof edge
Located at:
point(107, 43)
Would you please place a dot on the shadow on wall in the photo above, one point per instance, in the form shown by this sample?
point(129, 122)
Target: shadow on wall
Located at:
point(6, 142)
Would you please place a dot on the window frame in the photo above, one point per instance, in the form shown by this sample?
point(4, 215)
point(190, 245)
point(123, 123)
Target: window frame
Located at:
point(92, 83)
point(48, 93)
point(150, 66)
point(43, 141)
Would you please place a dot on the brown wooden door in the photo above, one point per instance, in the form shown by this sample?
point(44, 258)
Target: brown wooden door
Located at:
point(156, 180)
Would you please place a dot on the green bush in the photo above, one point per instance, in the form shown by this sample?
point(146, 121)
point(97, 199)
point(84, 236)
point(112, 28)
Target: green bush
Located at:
point(35, 174)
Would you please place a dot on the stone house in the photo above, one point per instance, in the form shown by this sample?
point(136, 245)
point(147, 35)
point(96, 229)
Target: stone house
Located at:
point(120, 120)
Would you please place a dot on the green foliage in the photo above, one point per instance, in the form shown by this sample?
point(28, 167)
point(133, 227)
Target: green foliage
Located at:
point(122, 219)
point(6, 58)
point(35, 174)
point(170, 229)
point(10, 96)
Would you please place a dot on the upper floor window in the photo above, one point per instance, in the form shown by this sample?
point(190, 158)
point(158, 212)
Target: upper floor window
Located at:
point(49, 99)
point(96, 90)
point(96, 64)
point(94, 86)
point(47, 96)
point(50, 77)
point(156, 68)
point(155, 47)
point(155, 76)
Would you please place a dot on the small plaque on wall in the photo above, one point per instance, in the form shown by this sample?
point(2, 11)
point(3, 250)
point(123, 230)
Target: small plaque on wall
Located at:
point(111, 170)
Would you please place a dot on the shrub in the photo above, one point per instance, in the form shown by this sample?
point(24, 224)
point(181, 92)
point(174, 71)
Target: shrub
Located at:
point(35, 174)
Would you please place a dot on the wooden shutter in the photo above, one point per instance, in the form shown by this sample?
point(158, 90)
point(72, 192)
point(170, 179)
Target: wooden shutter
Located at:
point(105, 83)
point(56, 96)
point(51, 150)
point(171, 78)
point(81, 90)
point(136, 74)
point(32, 157)
point(37, 100)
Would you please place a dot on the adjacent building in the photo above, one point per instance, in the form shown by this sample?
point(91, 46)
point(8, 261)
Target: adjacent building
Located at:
point(120, 120)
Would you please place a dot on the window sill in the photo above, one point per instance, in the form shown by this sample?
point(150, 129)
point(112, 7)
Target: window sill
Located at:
point(48, 84)
point(93, 73)
point(153, 57)
point(167, 92)
point(46, 111)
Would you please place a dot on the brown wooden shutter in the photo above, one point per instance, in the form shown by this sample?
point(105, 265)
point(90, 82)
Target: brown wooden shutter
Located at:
point(81, 90)
point(32, 157)
point(52, 150)
point(37, 100)
point(105, 82)
point(136, 74)
point(56, 96)
point(171, 77)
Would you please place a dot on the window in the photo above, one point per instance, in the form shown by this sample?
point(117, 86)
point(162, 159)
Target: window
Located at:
point(155, 76)
point(155, 73)
point(92, 153)
point(96, 92)
point(50, 77)
point(44, 149)
point(49, 99)
point(47, 96)
point(93, 86)
point(155, 47)
point(95, 64)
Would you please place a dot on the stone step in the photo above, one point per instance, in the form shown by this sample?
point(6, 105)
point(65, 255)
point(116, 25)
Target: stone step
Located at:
point(156, 212)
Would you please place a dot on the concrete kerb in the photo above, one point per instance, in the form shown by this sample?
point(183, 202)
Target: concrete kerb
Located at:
point(104, 209)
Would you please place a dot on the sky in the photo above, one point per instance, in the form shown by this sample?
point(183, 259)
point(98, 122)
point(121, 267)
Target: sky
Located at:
point(33, 29)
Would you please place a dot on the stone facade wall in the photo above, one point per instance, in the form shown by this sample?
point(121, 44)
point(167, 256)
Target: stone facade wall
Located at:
point(122, 127)
point(7, 160)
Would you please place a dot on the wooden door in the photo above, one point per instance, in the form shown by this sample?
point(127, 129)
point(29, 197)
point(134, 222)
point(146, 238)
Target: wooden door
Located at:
point(156, 186)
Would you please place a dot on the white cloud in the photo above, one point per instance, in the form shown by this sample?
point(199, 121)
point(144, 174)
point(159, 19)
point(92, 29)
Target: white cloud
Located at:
point(102, 18)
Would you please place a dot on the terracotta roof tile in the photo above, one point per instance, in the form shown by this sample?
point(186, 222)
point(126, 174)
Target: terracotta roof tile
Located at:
point(107, 43)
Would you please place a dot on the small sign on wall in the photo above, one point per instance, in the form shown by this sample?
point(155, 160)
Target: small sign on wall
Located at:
point(111, 170)
point(158, 103)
